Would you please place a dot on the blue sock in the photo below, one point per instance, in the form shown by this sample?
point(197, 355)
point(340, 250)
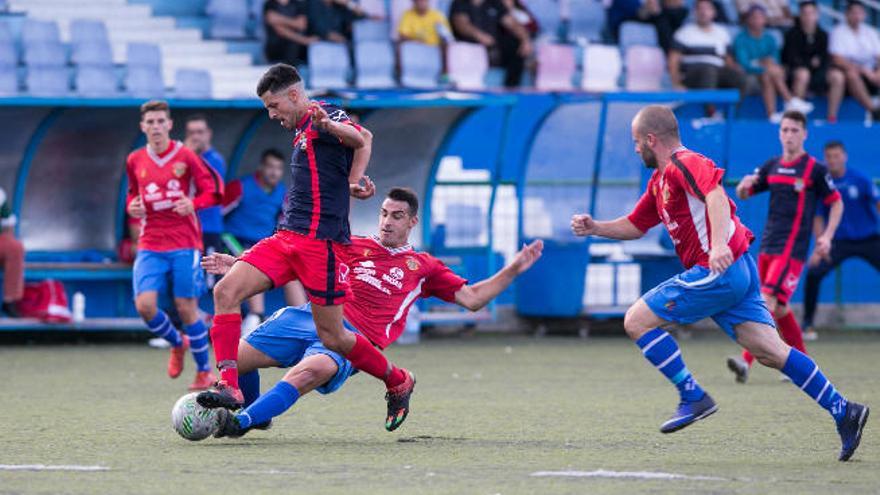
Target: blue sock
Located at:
point(249, 384)
point(198, 345)
point(806, 375)
point(662, 351)
point(273, 403)
point(161, 327)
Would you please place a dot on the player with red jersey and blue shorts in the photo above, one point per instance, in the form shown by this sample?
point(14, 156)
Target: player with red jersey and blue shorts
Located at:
point(720, 280)
point(161, 178)
point(330, 156)
point(387, 277)
point(797, 183)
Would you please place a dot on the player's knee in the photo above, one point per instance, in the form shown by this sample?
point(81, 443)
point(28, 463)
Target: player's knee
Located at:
point(147, 309)
point(802, 75)
point(226, 296)
point(631, 324)
point(186, 308)
point(311, 376)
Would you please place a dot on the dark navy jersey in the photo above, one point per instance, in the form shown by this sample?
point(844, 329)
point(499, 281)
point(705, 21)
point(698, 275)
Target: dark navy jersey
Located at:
point(317, 202)
point(795, 189)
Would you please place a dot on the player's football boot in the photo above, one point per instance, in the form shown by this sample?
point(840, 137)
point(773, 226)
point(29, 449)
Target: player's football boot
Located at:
point(739, 368)
point(850, 429)
point(221, 396)
point(228, 425)
point(203, 381)
point(398, 402)
point(688, 413)
point(177, 358)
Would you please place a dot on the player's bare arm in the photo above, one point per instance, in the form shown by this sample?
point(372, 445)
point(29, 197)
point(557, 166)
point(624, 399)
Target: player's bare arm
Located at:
point(136, 208)
point(361, 188)
point(349, 135)
point(621, 229)
point(744, 188)
point(823, 241)
point(476, 296)
point(718, 206)
point(218, 263)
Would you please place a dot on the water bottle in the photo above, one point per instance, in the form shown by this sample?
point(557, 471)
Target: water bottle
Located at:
point(79, 307)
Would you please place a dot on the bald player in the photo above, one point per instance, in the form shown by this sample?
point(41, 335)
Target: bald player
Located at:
point(720, 279)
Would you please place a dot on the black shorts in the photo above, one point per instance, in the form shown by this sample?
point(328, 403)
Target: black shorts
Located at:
point(818, 79)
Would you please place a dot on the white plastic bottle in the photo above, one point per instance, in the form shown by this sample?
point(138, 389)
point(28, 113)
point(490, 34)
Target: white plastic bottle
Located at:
point(79, 307)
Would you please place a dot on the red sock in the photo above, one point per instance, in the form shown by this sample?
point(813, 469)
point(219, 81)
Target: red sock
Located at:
point(748, 358)
point(368, 359)
point(791, 332)
point(225, 332)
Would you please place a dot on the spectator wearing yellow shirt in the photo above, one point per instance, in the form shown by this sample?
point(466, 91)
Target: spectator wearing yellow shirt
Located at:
point(424, 24)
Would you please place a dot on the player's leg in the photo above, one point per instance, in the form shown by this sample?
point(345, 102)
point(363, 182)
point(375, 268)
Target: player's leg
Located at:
point(250, 361)
point(188, 284)
point(148, 278)
point(295, 294)
point(815, 274)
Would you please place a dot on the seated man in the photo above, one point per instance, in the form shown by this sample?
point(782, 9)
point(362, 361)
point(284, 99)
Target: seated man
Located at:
point(387, 276)
point(778, 13)
point(757, 53)
point(855, 49)
point(285, 25)
point(11, 258)
point(424, 24)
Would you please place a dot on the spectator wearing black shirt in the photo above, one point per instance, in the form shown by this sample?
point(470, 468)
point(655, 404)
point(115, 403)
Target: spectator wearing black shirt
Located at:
point(490, 23)
point(286, 38)
point(331, 20)
point(806, 58)
point(666, 16)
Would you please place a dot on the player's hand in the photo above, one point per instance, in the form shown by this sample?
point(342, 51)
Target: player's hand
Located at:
point(184, 206)
point(744, 188)
point(823, 248)
point(320, 119)
point(136, 208)
point(720, 258)
point(525, 49)
point(583, 225)
point(218, 263)
point(364, 189)
point(815, 259)
point(527, 256)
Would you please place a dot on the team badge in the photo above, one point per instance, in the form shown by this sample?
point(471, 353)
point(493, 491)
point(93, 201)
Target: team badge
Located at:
point(412, 264)
point(343, 273)
point(665, 194)
point(179, 169)
point(173, 185)
point(670, 305)
point(396, 273)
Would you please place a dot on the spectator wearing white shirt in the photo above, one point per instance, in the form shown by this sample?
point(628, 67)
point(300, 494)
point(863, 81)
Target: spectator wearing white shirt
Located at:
point(855, 49)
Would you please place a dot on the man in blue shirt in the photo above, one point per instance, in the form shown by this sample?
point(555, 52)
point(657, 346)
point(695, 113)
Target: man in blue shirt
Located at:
point(857, 235)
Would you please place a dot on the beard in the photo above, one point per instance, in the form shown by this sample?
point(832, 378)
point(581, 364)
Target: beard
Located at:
point(649, 158)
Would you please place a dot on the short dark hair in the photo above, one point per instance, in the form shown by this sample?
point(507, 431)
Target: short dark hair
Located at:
point(834, 143)
point(198, 117)
point(155, 106)
point(271, 153)
point(406, 195)
point(278, 77)
point(795, 116)
point(808, 3)
point(854, 3)
point(700, 1)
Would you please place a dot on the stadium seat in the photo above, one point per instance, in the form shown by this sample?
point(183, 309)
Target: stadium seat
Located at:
point(34, 31)
point(370, 30)
point(374, 8)
point(6, 35)
point(374, 64)
point(556, 67)
point(92, 54)
point(587, 18)
point(329, 64)
point(468, 64)
point(228, 18)
point(144, 82)
point(192, 83)
point(48, 81)
point(8, 83)
point(637, 33)
point(88, 31)
point(144, 55)
point(602, 68)
point(8, 56)
point(96, 82)
point(420, 65)
point(547, 14)
point(44, 54)
point(645, 66)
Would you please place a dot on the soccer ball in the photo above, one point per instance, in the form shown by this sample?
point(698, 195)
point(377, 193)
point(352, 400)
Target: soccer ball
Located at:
point(192, 421)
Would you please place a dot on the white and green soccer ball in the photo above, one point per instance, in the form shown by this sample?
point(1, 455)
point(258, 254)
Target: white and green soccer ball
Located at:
point(192, 421)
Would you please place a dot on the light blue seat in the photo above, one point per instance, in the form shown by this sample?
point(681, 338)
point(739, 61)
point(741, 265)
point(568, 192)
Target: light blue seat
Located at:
point(144, 82)
point(637, 33)
point(328, 65)
point(92, 54)
point(8, 56)
point(34, 31)
point(420, 65)
point(48, 81)
point(192, 83)
point(370, 30)
point(8, 83)
point(228, 18)
point(88, 31)
point(96, 82)
point(374, 64)
point(45, 54)
point(144, 55)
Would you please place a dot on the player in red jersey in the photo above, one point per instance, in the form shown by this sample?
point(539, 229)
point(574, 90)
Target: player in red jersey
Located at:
point(330, 156)
point(161, 178)
point(797, 182)
point(387, 277)
point(720, 280)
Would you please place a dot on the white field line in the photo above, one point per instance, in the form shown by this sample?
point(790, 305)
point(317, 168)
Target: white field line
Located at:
point(644, 475)
point(43, 467)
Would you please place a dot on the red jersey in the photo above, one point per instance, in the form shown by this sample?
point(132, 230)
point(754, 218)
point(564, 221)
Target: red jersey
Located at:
point(677, 197)
point(160, 180)
point(386, 282)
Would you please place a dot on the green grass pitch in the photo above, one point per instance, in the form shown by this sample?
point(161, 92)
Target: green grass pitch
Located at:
point(487, 414)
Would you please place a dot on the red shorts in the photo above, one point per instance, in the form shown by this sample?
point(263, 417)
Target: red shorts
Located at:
point(316, 263)
point(779, 275)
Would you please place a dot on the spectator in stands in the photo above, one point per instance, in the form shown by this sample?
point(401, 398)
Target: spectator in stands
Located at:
point(522, 15)
point(618, 12)
point(857, 235)
point(667, 16)
point(805, 56)
point(11, 258)
point(777, 11)
point(424, 24)
point(331, 20)
point(491, 24)
point(198, 139)
point(286, 38)
point(699, 57)
point(855, 49)
point(757, 53)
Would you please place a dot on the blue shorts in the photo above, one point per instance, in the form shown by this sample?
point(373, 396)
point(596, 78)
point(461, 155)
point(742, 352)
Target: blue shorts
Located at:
point(154, 269)
point(729, 298)
point(289, 336)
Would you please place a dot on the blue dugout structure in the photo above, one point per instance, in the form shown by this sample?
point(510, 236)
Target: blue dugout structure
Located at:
point(493, 171)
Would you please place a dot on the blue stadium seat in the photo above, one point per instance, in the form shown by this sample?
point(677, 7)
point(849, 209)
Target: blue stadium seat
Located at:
point(44, 54)
point(374, 64)
point(419, 65)
point(88, 31)
point(547, 14)
point(96, 82)
point(328, 65)
point(8, 56)
point(144, 82)
point(92, 54)
point(48, 81)
point(228, 18)
point(34, 31)
point(192, 83)
point(370, 30)
point(637, 33)
point(8, 83)
point(144, 55)
point(587, 17)
point(6, 35)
